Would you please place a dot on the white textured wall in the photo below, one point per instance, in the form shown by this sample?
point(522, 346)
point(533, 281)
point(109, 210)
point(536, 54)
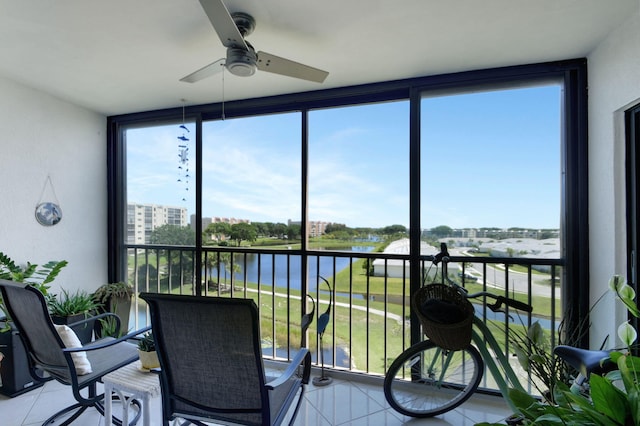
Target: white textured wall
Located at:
point(41, 135)
point(614, 86)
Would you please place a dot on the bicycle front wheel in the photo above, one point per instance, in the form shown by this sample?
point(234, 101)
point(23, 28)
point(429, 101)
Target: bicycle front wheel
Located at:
point(426, 380)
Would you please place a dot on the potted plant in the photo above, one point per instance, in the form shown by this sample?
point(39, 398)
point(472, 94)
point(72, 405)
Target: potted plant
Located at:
point(29, 274)
point(15, 377)
point(116, 298)
point(73, 307)
point(147, 351)
point(614, 398)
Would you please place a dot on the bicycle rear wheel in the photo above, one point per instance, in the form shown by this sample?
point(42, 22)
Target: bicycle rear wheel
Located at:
point(426, 380)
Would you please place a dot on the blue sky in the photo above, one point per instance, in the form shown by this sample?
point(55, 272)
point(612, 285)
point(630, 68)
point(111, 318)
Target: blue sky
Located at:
point(488, 159)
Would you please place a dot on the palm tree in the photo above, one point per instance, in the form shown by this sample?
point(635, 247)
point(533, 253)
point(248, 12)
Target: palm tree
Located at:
point(221, 262)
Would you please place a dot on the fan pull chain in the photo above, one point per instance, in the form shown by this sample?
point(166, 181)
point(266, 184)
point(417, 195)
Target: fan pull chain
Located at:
point(223, 93)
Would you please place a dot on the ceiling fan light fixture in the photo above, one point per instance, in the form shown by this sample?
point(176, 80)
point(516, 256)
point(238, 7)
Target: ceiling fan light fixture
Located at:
point(241, 62)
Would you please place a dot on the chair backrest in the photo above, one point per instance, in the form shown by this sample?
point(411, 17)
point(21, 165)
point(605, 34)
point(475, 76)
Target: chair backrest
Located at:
point(27, 308)
point(210, 356)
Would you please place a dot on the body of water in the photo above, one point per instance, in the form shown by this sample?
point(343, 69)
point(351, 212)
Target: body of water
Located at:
point(280, 270)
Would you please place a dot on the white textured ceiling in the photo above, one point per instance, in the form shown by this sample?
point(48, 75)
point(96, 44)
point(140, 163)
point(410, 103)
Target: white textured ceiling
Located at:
point(122, 56)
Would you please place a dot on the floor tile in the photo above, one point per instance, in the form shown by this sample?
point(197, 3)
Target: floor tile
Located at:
point(341, 403)
point(13, 411)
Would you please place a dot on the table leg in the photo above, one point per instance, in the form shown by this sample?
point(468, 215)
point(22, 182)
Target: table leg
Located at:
point(145, 410)
point(125, 401)
point(107, 404)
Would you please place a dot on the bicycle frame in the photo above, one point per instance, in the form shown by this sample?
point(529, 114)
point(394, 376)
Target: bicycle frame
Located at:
point(479, 340)
point(503, 361)
point(505, 377)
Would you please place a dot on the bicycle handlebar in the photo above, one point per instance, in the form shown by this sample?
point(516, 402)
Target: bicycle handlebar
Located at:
point(499, 300)
point(509, 302)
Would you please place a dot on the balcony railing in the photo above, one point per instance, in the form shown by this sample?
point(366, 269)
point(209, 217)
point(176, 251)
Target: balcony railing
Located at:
point(370, 321)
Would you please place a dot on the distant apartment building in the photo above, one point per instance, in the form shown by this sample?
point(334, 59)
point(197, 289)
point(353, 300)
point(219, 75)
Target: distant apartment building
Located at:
point(142, 219)
point(497, 233)
point(206, 221)
point(316, 228)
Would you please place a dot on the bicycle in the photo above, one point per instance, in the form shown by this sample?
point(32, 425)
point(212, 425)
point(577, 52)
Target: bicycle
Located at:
point(428, 379)
point(585, 362)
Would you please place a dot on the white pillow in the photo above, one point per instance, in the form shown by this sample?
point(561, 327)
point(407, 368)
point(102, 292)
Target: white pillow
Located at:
point(70, 340)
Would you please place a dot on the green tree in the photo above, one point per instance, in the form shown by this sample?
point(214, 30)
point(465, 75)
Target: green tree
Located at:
point(173, 235)
point(218, 230)
point(242, 232)
point(394, 229)
point(293, 231)
point(335, 227)
point(279, 230)
point(441, 231)
point(179, 264)
point(262, 228)
point(221, 262)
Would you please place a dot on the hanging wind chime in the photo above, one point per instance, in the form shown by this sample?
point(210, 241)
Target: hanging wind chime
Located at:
point(183, 154)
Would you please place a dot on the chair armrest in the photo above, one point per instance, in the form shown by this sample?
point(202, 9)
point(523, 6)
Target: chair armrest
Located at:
point(302, 356)
point(93, 318)
point(106, 343)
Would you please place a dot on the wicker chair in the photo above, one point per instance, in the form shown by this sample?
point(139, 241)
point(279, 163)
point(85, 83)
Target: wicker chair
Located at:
point(211, 363)
point(51, 359)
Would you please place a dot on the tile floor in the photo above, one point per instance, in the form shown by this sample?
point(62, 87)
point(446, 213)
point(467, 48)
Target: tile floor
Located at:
point(343, 402)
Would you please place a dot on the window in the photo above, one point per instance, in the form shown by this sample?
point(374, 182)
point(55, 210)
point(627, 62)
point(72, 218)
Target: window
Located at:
point(491, 169)
point(252, 174)
point(510, 154)
point(160, 189)
point(358, 171)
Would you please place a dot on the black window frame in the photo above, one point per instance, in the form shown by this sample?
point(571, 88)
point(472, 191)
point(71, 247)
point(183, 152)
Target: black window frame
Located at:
point(574, 226)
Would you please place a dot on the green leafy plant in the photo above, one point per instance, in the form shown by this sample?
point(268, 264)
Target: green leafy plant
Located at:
point(535, 353)
point(109, 327)
point(71, 303)
point(31, 273)
point(106, 292)
point(114, 298)
point(146, 343)
point(614, 399)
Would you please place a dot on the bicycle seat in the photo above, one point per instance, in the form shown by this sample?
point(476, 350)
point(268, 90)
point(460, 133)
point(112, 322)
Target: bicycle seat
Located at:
point(585, 361)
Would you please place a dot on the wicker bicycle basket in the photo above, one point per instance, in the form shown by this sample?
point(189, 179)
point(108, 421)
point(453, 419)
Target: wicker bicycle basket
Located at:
point(451, 336)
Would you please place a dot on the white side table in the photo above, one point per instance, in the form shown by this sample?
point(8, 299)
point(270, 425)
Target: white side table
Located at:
point(129, 383)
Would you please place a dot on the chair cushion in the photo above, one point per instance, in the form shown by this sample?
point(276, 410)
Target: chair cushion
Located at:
point(70, 340)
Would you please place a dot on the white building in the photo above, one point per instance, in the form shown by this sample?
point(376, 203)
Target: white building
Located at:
point(142, 219)
point(394, 267)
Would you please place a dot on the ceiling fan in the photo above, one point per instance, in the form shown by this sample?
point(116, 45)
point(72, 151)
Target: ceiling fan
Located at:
point(242, 59)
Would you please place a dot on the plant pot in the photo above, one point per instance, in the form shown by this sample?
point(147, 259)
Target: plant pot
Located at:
point(15, 376)
point(121, 306)
point(149, 360)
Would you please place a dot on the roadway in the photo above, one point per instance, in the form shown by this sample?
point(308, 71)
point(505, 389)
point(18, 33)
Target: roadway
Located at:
point(518, 281)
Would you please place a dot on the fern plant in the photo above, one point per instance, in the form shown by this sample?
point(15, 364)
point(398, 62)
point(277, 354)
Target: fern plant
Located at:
point(69, 304)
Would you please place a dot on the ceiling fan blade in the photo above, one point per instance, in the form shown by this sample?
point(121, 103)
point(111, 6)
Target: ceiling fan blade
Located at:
point(223, 24)
point(204, 72)
point(275, 64)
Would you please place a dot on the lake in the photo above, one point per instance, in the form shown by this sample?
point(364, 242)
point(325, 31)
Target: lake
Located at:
point(280, 269)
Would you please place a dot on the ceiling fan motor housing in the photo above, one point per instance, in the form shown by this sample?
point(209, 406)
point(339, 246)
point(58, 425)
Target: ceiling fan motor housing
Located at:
point(241, 62)
point(242, 59)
